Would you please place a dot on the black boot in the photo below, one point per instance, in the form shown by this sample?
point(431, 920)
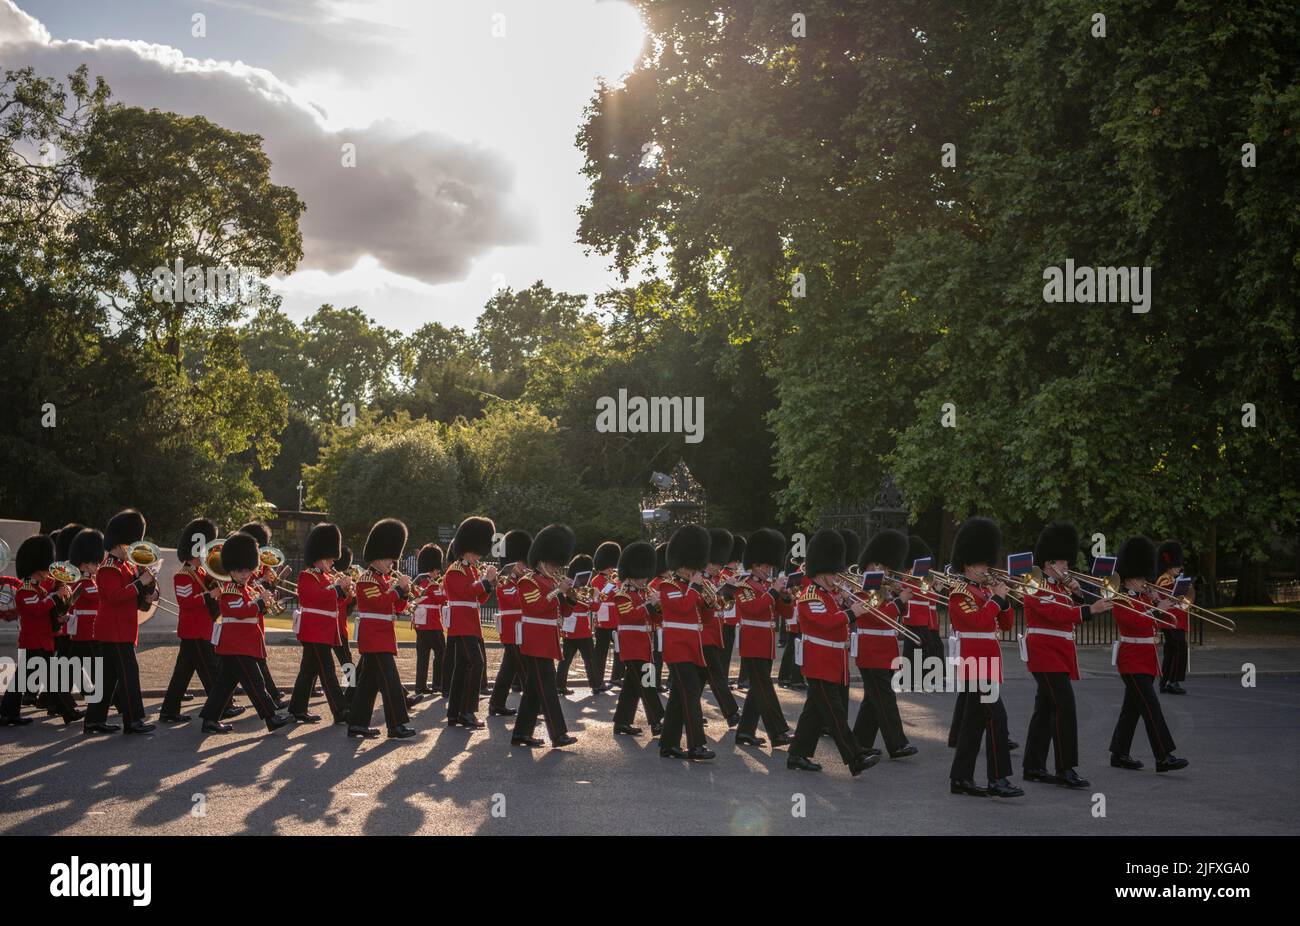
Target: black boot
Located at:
point(1002, 787)
point(1070, 779)
point(969, 788)
point(1170, 763)
point(802, 764)
point(1124, 761)
point(216, 726)
point(362, 732)
point(746, 739)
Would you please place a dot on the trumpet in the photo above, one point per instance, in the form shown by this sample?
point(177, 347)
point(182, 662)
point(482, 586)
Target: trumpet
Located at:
point(850, 589)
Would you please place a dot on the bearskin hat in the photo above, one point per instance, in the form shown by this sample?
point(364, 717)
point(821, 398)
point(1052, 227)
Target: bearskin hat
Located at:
point(258, 531)
point(190, 533)
point(1170, 555)
point(766, 547)
point(429, 559)
point(324, 542)
point(917, 549)
point(387, 540)
point(661, 559)
point(888, 548)
point(517, 544)
point(239, 552)
point(553, 544)
point(738, 545)
point(978, 540)
point(1137, 559)
point(473, 536)
point(1058, 540)
point(606, 557)
point(87, 547)
point(852, 545)
point(637, 561)
point(63, 539)
point(344, 562)
point(580, 563)
point(825, 553)
point(719, 546)
point(124, 527)
point(34, 554)
point(688, 547)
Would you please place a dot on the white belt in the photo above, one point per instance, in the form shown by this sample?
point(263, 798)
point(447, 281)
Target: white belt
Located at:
point(241, 620)
point(792, 623)
point(862, 631)
point(1137, 639)
point(1063, 634)
point(76, 617)
point(639, 628)
point(462, 604)
point(376, 616)
point(673, 625)
point(544, 621)
point(833, 644)
point(963, 635)
point(321, 611)
point(764, 625)
point(513, 612)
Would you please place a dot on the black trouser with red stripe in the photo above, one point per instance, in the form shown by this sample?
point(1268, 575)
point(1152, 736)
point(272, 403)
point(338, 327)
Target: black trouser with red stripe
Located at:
point(509, 673)
point(790, 673)
point(717, 679)
point(761, 700)
point(377, 673)
point(634, 689)
point(584, 645)
point(121, 685)
point(245, 672)
point(86, 651)
point(426, 642)
point(465, 682)
point(1141, 700)
point(317, 663)
point(1054, 723)
point(1173, 665)
point(539, 696)
point(56, 699)
point(600, 651)
point(879, 711)
point(728, 648)
point(191, 656)
point(981, 721)
point(685, 690)
point(824, 710)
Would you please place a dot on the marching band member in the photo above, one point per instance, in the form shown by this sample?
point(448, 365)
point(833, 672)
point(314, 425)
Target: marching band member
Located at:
point(579, 638)
point(343, 652)
point(922, 617)
point(267, 578)
point(662, 572)
point(762, 602)
point(875, 650)
point(1134, 654)
point(123, 591)
point(632, 606)
point(86, 553)
point(731, 620)
point(1048, 647)
point(62, 551)
point(466, 590)
point(196, 600)
point(719, 553)
point(545, 596)
point(427, 619)
point(240, 638)
point(824, 652)
point(509, 610)
point(320, 590)
point(379, 601)
point(605, 581)
point(40, 609)
point(977, 611)
point(684, 612)
point(789, 676)
point(1174, 664)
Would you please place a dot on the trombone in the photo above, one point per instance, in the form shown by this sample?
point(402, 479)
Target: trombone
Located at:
point(1109, 588)
point(871, 601)
point(1195, 610)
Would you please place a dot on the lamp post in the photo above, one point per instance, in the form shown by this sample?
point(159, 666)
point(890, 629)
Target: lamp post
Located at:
point(300, 488)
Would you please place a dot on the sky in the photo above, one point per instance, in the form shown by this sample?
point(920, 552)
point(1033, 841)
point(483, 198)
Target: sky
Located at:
point(463, 115)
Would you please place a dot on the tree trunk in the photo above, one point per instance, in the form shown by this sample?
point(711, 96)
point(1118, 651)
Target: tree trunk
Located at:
point(1208, 594)
point(1251, 585)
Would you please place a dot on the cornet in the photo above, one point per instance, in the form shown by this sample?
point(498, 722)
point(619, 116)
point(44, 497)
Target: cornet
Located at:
point(65, 572)
point(145, 555)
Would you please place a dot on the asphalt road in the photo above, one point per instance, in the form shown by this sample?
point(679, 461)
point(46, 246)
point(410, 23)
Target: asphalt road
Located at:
point(1243, 744)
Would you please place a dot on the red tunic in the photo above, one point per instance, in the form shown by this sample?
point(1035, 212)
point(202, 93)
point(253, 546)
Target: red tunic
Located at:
point(542, 613)
point(428, 607)
point(759, 615)
point(1177, 613)
point(116, 618)
point(730, 616)
point(195, 621)
point(683, 616)
point(711, 619)
point(632, 618)
point(921, 613)
point(318, 602)
point(509, 609)
point(581, 615)
point(38, 610)
point(378, 603)
point(344, 605)
point(465, 591)
point(876, 643)
point(825, 641)
point(1050, 616)
point(606, 587)
point(1137, 639)
point(976, 618)
point(240, 632)
point(85, 604)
